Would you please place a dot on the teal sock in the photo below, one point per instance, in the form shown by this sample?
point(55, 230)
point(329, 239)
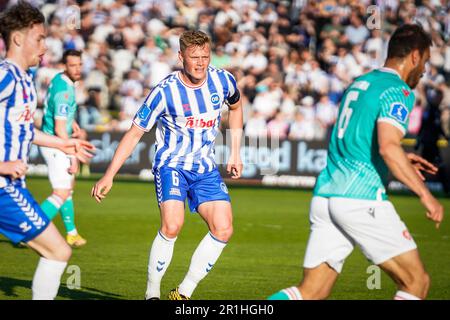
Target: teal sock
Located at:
point(291, 293)
point(68, 215)
point(51, 206)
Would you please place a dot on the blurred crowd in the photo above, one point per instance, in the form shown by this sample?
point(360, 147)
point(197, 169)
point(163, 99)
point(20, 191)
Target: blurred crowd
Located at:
point(292, 59)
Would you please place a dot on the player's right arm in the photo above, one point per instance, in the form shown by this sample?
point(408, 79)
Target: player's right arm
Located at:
point(147, 115)
point(389, 139)
point(124, 150)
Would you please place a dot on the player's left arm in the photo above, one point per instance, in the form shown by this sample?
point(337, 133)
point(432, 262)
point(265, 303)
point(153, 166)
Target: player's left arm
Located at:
point(236, 123)
point(81, 149)
point(395, 105)
point(389, 139)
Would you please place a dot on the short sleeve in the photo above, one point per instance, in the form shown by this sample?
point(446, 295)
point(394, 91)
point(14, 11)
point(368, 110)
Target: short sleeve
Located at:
point(233, 92)
point(396, 105)
point(7, 84)
point(62, 102)
point(150, 111)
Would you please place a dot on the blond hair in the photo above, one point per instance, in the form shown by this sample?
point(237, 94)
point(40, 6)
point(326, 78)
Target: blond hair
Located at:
point(193, 38)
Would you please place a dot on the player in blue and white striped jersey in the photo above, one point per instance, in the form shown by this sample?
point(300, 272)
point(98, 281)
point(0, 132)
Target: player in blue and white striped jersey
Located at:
point(21, 218)
point(186, 107)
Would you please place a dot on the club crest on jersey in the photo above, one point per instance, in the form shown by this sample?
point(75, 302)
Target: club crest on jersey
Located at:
point(215, 98)
point(399, 112)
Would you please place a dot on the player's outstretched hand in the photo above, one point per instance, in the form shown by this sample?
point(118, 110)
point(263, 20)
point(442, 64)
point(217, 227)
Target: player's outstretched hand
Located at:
point(101, 188)
point(234, 166)
point(81, 149)
point(420, 164)
point(15, 169)
point(435, 211)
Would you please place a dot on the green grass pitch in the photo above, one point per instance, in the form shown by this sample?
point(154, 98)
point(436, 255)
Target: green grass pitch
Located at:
point(265, 254)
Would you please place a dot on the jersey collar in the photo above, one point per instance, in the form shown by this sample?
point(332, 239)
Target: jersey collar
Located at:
point(389, 70)
point(22, 73)
point(190, 86)
point(67, 79)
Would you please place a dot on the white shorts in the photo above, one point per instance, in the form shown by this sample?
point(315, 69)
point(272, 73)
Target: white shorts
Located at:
point(337, 224)
point(58, 163)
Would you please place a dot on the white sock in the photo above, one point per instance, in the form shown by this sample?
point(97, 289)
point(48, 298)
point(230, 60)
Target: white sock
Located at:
point(160, 257)
point(73, 232)
point(293, 293)
point(47, 278)
point(203, 259)
point(402, 295)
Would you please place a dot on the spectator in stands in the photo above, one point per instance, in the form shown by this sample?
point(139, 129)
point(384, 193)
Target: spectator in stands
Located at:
point(280, 51)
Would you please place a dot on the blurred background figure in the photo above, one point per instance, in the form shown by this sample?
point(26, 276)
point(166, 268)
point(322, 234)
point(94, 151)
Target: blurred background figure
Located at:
point(279, 51)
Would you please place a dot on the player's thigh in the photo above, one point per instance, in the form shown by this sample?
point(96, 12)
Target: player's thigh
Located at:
point(21, 217)
point(406, 268)
point(51, 245)
point(172, 213)
point(58, 165)
point(209, 187)
point(171, 191)
point(170, 184)
point(218, 215)
point(374, 225)
point(327, 243)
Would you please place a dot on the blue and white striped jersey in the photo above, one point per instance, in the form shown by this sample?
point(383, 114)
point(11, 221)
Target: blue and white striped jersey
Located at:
point(17, 106)
point(187, 119)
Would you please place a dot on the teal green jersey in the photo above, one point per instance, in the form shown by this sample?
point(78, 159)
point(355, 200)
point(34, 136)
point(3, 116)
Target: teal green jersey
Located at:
point(354, 167)
point(59, 104)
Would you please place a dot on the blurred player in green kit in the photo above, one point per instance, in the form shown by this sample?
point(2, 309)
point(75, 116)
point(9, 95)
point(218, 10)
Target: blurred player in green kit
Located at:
point(59, 119)
point(350, 206)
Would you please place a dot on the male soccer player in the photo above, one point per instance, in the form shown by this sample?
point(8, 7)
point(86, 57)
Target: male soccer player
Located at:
point(59, 119)
point(21, 218)
point(350, 204)
point(187, 108)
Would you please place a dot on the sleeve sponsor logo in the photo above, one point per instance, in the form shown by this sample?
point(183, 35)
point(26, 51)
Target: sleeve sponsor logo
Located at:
point(144, 112)
point(399, 112)
point(63, 109)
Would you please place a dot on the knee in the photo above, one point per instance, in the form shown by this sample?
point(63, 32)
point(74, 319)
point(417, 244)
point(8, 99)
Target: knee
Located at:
point(171, 230)
point(222, 233)
point(63, 253)
point(63, 194)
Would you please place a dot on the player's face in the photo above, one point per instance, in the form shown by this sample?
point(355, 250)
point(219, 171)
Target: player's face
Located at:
point(34, 44)
point(73, 68)
point(195, 61)
point(416, 73)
